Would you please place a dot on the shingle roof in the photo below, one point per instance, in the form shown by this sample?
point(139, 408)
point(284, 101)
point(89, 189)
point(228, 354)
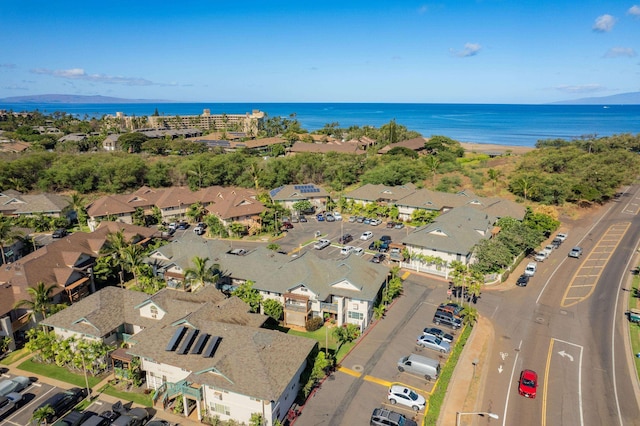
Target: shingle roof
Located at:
point(298, 192)
point(372, 192)
point(415, 144)
point(456, 231)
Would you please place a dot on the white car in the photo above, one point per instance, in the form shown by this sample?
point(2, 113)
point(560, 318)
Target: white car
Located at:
point(541, 256)
point(432, 342)
point(358, 251)
point(347, 249)
point(337, 216)
point(562, 236)
point(323, 243)
point(366, 236)
point(530, 270)
point(405, 396)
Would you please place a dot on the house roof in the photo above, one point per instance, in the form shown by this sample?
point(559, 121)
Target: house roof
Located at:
point(249, 361)
point(229, 203)
point(456, 231)
point(30, 204)
point(415, 144)
point(297, 192)
point(373, 193)
point(323, 148)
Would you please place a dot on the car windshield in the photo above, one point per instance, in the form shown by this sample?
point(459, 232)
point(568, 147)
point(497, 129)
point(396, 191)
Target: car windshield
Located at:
point(528, 382)
point(413, 395)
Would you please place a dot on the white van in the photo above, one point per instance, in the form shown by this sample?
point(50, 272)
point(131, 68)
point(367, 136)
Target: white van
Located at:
point(421, 365)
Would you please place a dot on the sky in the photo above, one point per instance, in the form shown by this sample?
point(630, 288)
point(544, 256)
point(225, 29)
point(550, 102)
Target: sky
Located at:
point(447, 51)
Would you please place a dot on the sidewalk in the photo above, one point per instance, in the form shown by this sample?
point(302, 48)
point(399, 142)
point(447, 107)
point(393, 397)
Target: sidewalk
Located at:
point(165, 415)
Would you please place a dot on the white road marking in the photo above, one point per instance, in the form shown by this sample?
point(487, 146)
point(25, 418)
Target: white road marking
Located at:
point(513, 371)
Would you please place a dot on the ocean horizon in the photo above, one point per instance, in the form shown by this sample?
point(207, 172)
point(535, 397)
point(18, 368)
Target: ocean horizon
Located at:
point(502, 124)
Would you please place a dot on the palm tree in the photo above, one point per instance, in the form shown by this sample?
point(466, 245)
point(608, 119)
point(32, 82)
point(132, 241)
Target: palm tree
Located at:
point(132, 256)
point(41, 415)
point(7, 235)
point(115, 246)
point(201, 272)
point(77, 205)
point(40, 300)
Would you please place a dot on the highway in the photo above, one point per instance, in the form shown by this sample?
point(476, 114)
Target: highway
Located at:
point(569, 326)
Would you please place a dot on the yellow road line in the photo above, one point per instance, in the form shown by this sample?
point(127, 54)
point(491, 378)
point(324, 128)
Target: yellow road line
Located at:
point(377, 380)
point(406, 275)
point(545, 386)
point(349, 371)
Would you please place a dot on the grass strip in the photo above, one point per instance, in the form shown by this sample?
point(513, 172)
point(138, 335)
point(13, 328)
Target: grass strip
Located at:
point(52, 371)
point(137, 398)
point(634, 329)
point(437, 396)
point(15, 356)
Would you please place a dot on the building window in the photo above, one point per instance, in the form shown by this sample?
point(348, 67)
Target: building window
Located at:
point(220, 408)
point(154, 311)
point(355, 315)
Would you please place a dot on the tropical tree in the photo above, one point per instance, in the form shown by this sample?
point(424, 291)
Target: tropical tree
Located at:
point(77, 205)
point(114, 246)
point(7, 235)
point(345, 334)
point(43, 413)
point(196, 212)
point(470, 315)
point(40, 300)
point(273, 308)
point(132, 259)
point(201, 271)
point(249, 295)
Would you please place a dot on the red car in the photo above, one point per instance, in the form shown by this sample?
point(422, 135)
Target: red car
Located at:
point(528, 383)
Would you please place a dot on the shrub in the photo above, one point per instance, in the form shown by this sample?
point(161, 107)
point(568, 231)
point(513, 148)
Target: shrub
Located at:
point(314, 323)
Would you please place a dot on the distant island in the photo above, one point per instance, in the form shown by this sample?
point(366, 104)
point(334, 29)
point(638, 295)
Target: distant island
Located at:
point(631, 98)
point(77, 99)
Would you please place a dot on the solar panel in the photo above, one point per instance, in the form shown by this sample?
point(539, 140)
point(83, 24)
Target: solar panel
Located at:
point(211, 347)
point(188, 341)
point(202, 340)
point(175, 340)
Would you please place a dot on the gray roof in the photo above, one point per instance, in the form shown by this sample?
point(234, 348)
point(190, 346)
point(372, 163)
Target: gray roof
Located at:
point(456, 231)
point(250, 361)
point(297, 192)
point(371, 192)
point(38, 203)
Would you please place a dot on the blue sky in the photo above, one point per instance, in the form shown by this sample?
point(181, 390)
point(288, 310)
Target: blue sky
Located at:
point(458, 51)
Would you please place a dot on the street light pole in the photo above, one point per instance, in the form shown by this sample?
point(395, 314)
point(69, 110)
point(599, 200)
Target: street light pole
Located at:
point(479, 413)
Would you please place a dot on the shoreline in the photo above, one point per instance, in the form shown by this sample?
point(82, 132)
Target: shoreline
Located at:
point(490, 147)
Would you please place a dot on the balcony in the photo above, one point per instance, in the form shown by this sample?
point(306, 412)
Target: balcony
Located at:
point(331, 308)
point(296, 307)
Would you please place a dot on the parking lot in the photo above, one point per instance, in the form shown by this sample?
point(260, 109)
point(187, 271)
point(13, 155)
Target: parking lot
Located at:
point(38, 392)
point(303, 235)
point(350, 395)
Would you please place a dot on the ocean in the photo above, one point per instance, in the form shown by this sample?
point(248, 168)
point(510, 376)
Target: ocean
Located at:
point(521, 125)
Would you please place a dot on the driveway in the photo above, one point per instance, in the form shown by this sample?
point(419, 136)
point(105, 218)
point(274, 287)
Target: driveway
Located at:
point(361, 383)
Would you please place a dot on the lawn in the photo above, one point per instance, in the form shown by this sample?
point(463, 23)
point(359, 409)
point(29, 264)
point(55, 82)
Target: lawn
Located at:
point(634, 329)
point(323, 336)
point(138, 398)
point(58, 373)
point(15, 356)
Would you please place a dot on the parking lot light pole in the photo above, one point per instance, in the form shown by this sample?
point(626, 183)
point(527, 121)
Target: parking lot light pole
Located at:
point(479, 413)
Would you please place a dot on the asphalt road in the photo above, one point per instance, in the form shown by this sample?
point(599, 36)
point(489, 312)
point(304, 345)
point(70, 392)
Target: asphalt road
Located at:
point(567, 325)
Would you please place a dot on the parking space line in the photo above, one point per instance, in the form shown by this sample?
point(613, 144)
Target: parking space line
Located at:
point(377, 380)
point(349, 371)
point(405, 275)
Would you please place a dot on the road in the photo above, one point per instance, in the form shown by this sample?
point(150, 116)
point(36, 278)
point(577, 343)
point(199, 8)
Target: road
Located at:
point(568, 325)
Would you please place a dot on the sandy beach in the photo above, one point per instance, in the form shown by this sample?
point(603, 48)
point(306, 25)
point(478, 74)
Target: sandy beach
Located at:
point(487, 147)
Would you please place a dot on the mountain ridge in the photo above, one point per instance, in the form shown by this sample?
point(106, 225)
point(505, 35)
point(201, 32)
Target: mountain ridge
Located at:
point(629, 98)
point(78, 99)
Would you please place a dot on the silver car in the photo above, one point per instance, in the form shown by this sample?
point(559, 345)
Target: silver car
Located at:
point(433, 342)
point(15, 384)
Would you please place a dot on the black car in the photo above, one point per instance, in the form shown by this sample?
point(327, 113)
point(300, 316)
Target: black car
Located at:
point(62, 402)
point(183, 225)
point(74, 418)
point(384, 247)
point(523, 280)
point(345, 239)
point(59, 233)
point(384, 417)
point(377, 258)
point(386, 239)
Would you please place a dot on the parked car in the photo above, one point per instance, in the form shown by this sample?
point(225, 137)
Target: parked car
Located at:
point(377, 258)
point(384, 417)
point(16, 384)
point(59, 233)
point(576, 252)
point(452, 307)
point(287, 225)
point(391, 224)
point(358, 251)
point(399, 225)
point(346, 250)
point(158, 423)
point(329, 217)
point(384, 247)
point(130, 417)
point(303, 219)
point(9, 403)
point(432, 342)
point(346, 238)
point(523, 280)
point(402, 395)
point(337, 216)
point(367, 221)
point(438, 333)
point(447, 318)
point(359, 219)
point(322, 244)
point(386, 239)
point(295, 219)
point(373, 245)
point(528, 383)
point(62, 402)
point(375, 222)
point(562, 236)
point(557, 242)
point(199, 230)
point(366, 235)
point(352, 219)
point(320, 217)
point(530, 270)
point(74, 418)
point(541, 256)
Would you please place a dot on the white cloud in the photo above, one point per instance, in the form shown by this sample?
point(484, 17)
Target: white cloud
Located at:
point(616, 52)
point(634, 10)
point(604, 23)
point(80, 74)
point(584, 88)
point(470, 49)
